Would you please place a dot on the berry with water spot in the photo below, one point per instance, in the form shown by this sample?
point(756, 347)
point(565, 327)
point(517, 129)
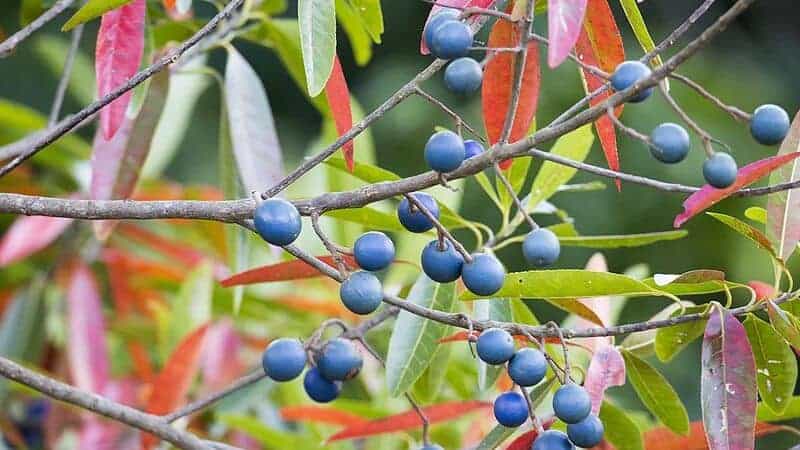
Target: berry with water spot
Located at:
point(720, 170)
point(495, 346)
point(361, 292)
point(441, 262)
point(463, 76)
point(373, 251)
point(277, 221)
point(527, 367)
point(412, 218)
point(541, 247)
point(319, 388)
point(284, 359)
point(571, 403)
point(339, 360)
point(769, 124)
point(669, 143)
point(484, 275)
point(629, 73)
point(510, 409)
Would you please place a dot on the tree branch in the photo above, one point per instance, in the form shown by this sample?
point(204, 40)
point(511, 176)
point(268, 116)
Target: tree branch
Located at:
point(8, 46)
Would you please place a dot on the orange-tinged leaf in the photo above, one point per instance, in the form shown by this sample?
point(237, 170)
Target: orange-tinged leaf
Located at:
point(410, 420)
point(662, 438)
point(285, 271)
point(708, 196)
point(338, 96)
point(169, 4)
point(321, 414)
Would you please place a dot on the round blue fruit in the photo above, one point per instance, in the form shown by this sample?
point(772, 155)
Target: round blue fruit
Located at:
point(451, 40)
point(571, 403)
point(510, 409)
point(552, 440)
point(527, 367)
point(284, 359)
point(413, 219)
point(541, 247)
point(627, 74)
point(484, 275)
point(472, 148)
point(669, 143)
point(444, 151)
point(361, 292)
point(277, 221)
point(495, 346)
point(463, 76)
point(586, 433)
point(720, 170)
point(445, 15)
point(319, 388)
point(769, 124)
point(373, 251)
point(441, 264)
point(339, 360)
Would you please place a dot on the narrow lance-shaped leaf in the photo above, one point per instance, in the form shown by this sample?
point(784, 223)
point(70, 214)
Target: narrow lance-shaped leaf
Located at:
point(92, 9)
point(564, 20)
point(620, 430)
point(120, 45)
point(321, 414)
point(339, 100)
point(776, 364)
point(29, 234)
point(785, 324)
point(749, 232)
point(317, 20)
point(635, 19)
point(285, 271)
point(783, 208)
point(87, 350)
point(606, 369)
point(657, 394)
point(728, 384)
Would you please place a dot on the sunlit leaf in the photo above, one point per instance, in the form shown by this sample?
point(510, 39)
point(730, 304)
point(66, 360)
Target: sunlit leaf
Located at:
point(360, 39)
point(783, 218)
point(92, 9)
point(317, 21)
point(776, 365)
point(635, 19)
point(620, 430)
point(785, 324)
point(574, 145)
point(657, 394)
point(564, 22)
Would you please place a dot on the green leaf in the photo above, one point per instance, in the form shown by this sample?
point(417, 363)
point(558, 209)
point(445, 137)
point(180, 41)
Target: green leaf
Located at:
point(568, 283)
point(656, 393)
point(671, 340)
point(540, 392)
point(415, 339)
point(749, 232)
point(497, 436)
point(756, 214)
point(486, 185)
point(643, 344)
point(20, 326)
point(91, 10)
point(28, 11)
point(785, 324)
point(369, 217)
point(620, 241)
point(620, 430)
point(498, 309)
point(429, 385)
point(273, 7)
point(516, 175)
point(791, 412)
point(270, 438)
point(635, 19)
point(371, 16)
point(317, 21)
point(191, 307)
point(694, 282)
point(521, 313)
point(360, 40)
point(776, 365)
point(363, 171)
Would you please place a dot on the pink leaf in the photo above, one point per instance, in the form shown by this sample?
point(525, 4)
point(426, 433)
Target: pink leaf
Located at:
point(607, 369)
point(221, 364)
point(601, 306)
point(87, 351)
point(28, 235)
point(728, 384)
point(423, 46)
point(749, 174)
point(120, 45)
point(105, 434)
point(564, 24)
point(783, 208)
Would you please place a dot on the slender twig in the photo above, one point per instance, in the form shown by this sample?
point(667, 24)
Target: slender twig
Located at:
point(203, 403)
point(329, 245)
point(705, 136)
point(626, 129)
point(731, 110)
point(460, 122)
point(66, 74)
point(594, 70)
point(441, 229)
point(8, 46)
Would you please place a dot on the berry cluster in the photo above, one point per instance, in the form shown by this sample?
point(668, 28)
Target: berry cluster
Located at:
point(450, 38)
point(669, 142)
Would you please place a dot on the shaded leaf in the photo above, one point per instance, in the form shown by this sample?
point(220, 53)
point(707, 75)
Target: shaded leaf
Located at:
point(29, 234)
point(371, 218)
point(339, 100)
point(320, 414)
point(574, 145)
point(620, 430)
point(783, 219)
point(363, 171)
point(657, 394)
point(87, 350)
point(284, 271)
point(643, 344)
point(606, 369)
point(564, 23)
point(19, 331)
point(497, 436)
point(776, 365)
point(317, 20)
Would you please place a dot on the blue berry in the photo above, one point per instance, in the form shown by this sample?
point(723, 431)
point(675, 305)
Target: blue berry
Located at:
point(463, 76)
point(495, 346)
point(339, 360)
point(670, 143)
point(472, 148)
point(361, 292)
point(484, 275)
point(571, 403)
point(373, 251)
point(320, 389)
point(586, 433)
point(510, 409)
point(769, 124)
point(451, 40)
point(284, 359)
point(541, 247)
point(413, 219)
point(720, 170)
point(431, 447)
point(552, 440)
point(277, 221)
point(627, 74)
point(444, 265)
point(444, 151)
point(446, 15)
point(527, 367)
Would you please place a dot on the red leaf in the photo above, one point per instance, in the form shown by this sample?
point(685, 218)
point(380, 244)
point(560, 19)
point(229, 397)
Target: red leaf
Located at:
point(339, 100)
point(409, 420)
point(120, 45)
point(321, 414)
point(423, 46)
point(606, 369)
point(285, 271)
point(708, 195)
point(600, 45)
point(763, 290)
point(86, 347)
point(728, 384)
point(28, 235)
point(564, 20)
point(662, 438)
point(498, 80)
point(524, 441)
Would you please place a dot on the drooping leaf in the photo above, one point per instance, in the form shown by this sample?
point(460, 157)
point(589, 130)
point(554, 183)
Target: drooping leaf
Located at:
point(442, 5)
point(574, 145)
point(574, 306)
point(339, 100)
point(662, 438)
point(321, 414)
point(749, 232)
point(317, 21)
point(120, 45)
point(29, 234)
point(708, 196)
point(671, 340)
point(621, 241)
point(564, 23)
point(92, 9)
point(635, 19)
point(284, 271)
point(371, 16)
point(657, 394)
point(728, 384)
point(606, 369)
point(776, 365)
point(415, 339)
point(87, 349)
point(783, 219)
point(620, 430)
point(785, 324)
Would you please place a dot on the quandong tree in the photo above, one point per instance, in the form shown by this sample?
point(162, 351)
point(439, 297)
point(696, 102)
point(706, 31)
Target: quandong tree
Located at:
point(341, 305)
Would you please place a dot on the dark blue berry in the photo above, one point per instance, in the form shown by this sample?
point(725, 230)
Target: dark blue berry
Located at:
point(769, 124)
point(669, 143)
point(495, 346)
point(445, 15)
point(412, 218)
point(463, 76)
point(319, 388)
point(442, 265)
point(361, 292)
point(510, 409)
point(627, 74)
point(541, 247)
point(284, 359)
point(720, 170)
point(527, 367)
point(586, 433)
point(484, 275)
point(373, 251)
point(339, 360)
point(571, 403)
point(472, 148)
point(277, 221)
point(552, 440)
point(451, 40)
point(444, 151)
